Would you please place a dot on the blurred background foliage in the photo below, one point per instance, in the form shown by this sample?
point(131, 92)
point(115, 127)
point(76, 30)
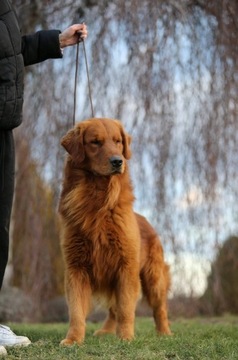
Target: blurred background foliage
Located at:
point(169, 71)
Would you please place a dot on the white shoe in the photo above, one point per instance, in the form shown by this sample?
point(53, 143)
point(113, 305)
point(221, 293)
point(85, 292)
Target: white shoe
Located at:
point(8, 338)
point(3, 351)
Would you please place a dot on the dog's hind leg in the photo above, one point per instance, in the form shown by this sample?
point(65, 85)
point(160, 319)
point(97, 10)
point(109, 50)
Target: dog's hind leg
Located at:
point(78, 293)
point(155, 286)
point(159, 306)
point(109, 326)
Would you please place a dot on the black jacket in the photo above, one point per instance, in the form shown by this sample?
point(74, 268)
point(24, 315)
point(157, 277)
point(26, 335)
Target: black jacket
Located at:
point(17, 51)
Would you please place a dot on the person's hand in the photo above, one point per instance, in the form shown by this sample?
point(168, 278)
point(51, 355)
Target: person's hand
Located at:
point(73, 35)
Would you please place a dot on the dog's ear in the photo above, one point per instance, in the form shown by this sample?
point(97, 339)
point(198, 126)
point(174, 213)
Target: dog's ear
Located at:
point(73, 144)
point(126, 140)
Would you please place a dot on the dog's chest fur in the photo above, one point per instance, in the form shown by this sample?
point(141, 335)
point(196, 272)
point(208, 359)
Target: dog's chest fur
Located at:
point(98, 243)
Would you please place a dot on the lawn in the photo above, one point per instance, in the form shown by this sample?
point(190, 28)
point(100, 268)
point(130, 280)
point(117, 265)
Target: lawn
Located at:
point(200, 338)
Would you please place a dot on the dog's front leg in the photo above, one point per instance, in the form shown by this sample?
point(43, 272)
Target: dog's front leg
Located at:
point(126, 299)
point(78, 291)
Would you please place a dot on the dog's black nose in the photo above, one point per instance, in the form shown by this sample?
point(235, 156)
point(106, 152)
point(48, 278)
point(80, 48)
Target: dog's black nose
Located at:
point(116, 162)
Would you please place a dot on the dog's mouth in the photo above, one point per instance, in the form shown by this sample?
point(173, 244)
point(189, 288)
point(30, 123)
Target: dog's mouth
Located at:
point(111, 171)
point(117, 171)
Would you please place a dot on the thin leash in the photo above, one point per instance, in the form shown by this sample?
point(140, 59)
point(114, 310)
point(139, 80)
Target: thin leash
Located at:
point(76, 80)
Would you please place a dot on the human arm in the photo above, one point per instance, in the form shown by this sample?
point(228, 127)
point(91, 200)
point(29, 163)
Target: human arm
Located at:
point(40, 46)
point(48, 44)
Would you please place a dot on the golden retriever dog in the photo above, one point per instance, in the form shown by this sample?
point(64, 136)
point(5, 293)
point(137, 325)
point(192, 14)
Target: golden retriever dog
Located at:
point(110, 252)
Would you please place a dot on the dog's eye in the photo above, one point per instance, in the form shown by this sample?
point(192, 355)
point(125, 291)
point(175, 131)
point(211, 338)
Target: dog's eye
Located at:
point(118, 141)
point(96, 142)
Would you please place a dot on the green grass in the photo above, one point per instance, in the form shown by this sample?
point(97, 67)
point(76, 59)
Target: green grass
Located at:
point(200, 339)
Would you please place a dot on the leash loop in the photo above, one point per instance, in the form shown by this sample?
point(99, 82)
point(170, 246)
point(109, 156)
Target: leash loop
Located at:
point(76, 78)
point(89, 87)
point(75, 82)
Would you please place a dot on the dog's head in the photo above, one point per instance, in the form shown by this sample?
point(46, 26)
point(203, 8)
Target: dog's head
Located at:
point(98, 145)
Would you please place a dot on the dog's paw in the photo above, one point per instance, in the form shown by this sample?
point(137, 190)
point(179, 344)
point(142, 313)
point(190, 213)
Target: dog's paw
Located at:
point(126, 336)
point(165, 331)
point(70, 342)
point(66, 342)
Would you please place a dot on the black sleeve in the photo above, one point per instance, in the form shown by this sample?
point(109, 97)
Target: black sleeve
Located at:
point(40, 46)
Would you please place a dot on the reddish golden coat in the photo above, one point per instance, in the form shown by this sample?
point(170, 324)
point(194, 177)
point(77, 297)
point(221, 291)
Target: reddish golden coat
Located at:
point(109, 250)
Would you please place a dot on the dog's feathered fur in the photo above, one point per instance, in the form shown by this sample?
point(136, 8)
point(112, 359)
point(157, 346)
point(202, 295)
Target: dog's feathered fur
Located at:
point(109, 251)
